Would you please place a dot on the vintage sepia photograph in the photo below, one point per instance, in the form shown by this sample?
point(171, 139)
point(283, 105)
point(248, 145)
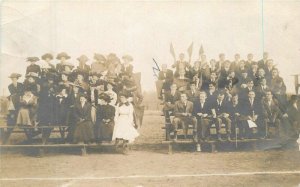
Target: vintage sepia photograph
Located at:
point(149, 93)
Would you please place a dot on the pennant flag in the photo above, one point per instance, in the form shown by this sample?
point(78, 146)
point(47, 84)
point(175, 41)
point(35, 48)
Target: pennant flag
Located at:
point(201, 51)
point(172, 51)
point(190, 49)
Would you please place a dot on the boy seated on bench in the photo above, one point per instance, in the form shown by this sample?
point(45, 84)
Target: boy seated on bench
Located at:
point(183, 116)
point(202, 111)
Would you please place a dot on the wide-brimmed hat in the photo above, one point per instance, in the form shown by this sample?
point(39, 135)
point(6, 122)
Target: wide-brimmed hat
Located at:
point(62, 54)
point(105, 97)
point(47, 55)
point(51, 76)
point(99, 57)
point(15, 75)
point(32, 59)
point(83, 94)
point(32, 74)
point(127, 57)
point(83, 58)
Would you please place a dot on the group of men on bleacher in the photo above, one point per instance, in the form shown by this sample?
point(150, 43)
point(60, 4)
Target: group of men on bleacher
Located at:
point(245, 95)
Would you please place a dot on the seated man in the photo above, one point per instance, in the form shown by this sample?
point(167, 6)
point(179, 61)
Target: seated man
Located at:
point(271, 111)
point(170, 98)
point(183, 116)
point(165, 75)
point(252, 108)
point(237, 119)
point(220, 114)
point(202, 112)
point(193, 93)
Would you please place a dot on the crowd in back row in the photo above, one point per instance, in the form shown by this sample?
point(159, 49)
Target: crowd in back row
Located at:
point(97, 102)
point(246, 94)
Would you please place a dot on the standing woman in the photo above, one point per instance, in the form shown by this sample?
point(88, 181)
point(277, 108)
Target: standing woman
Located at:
point(84, 132)
point(124, 126)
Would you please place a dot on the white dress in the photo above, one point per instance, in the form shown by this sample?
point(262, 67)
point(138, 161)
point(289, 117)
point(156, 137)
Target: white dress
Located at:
point(124, 125)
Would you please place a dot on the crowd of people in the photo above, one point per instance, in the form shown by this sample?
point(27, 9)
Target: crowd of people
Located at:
point(246, 96)
point(97, 102)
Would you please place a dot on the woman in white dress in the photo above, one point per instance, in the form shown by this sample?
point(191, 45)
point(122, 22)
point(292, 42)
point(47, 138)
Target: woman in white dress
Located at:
point(124, 126)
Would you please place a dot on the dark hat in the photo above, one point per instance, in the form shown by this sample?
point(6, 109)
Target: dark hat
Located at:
point(32, 74)
point(99, 57)
point(83, 94)
point(127, 57)
point(32, 59)
point(105, 97)
point(15, 75)
point(83, 58)
point(47, 55)
point(63, 54)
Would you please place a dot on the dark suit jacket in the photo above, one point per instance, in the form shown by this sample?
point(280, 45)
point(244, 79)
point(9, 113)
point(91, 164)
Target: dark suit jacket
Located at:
point(224, 108)
point(206, 109)
point(128, 70)
point(248, 110)
point(168, 78)
point(83, 113)
point(172, 98)
point(105, 112)
point(193, 96)
point(271, 112)
point(180, 108)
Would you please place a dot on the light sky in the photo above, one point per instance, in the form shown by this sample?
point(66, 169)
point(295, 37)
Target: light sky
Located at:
point(146, 29)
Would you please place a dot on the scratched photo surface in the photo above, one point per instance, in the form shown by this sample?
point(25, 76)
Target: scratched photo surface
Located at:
point(152, 33)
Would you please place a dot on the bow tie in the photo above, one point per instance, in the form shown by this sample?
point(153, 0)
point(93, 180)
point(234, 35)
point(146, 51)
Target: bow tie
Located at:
point(126, 104)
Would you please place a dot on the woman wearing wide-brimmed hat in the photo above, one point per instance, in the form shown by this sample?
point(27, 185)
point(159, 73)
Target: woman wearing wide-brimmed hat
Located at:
point(99, 65)
point(104, 119)
point(46, 66)
point(83, 67)
point(33, 67)
point(63, 65)
point(31, 82)
point(84, 130)
point(16, 90)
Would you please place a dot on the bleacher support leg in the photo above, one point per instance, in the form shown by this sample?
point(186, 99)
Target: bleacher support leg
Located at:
point(170, 146)
point(83, 151)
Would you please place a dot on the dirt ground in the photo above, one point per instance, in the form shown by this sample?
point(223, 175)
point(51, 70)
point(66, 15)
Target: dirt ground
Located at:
point(148, 164)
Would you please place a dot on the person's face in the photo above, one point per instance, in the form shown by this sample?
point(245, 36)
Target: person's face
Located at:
point(183, 97)
point(270, 63)
point(202, 98)
point(274, 73)
point(261, 72)
point(242, 64)
point(102, 102)
point(80, 77)
point(235, 99)
point(62, 59)
point(123, 99)
point(227, 64)
point(232, 74)
point(173, 87)
point(82, 99)
point(164, 67)
point(75, 89)
point(213, 75)
point(237, 57)
point(47, 59)
point(32, 62)
point(250, 84)
point(251, 95)
point(212, 62)
point(244, 74)
point(254, 68)
point(193, 86)
point(31, 79)
point(269, 95)
point(211, 88)
point(264, 82)
point(181, 57)
point(221, 97)
point(27, 93)
point(95, 77)
point(64, 77)
point(14, 80)
point(196, 65)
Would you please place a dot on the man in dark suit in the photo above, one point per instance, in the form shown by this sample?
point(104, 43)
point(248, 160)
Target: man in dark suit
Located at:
point(183, 116)
point(83, 67)
point(263, 62)
point(202, 111)
point(193, 93)
point(165, 75)
point(127, 68)
point(211, 93)
point(252, 109)
point(243, 94)
point(272, 112)
point(213, 78)
point(278, 87)
point(261, 88)
point(220, 112)
point(170, 98)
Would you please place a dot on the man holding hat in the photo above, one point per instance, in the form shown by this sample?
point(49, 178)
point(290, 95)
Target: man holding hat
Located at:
point(33, 67)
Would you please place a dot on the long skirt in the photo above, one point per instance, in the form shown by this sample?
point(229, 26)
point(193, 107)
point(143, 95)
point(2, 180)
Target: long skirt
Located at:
point(25, 117)
point(124, 129)
point(84, 132)
point(104, 131)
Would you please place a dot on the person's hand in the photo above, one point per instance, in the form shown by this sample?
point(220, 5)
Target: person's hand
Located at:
point(285, 115)
point(204, 115)
point(237, 114)
point(226, 115)
point(199, 114)
point(255, 118)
